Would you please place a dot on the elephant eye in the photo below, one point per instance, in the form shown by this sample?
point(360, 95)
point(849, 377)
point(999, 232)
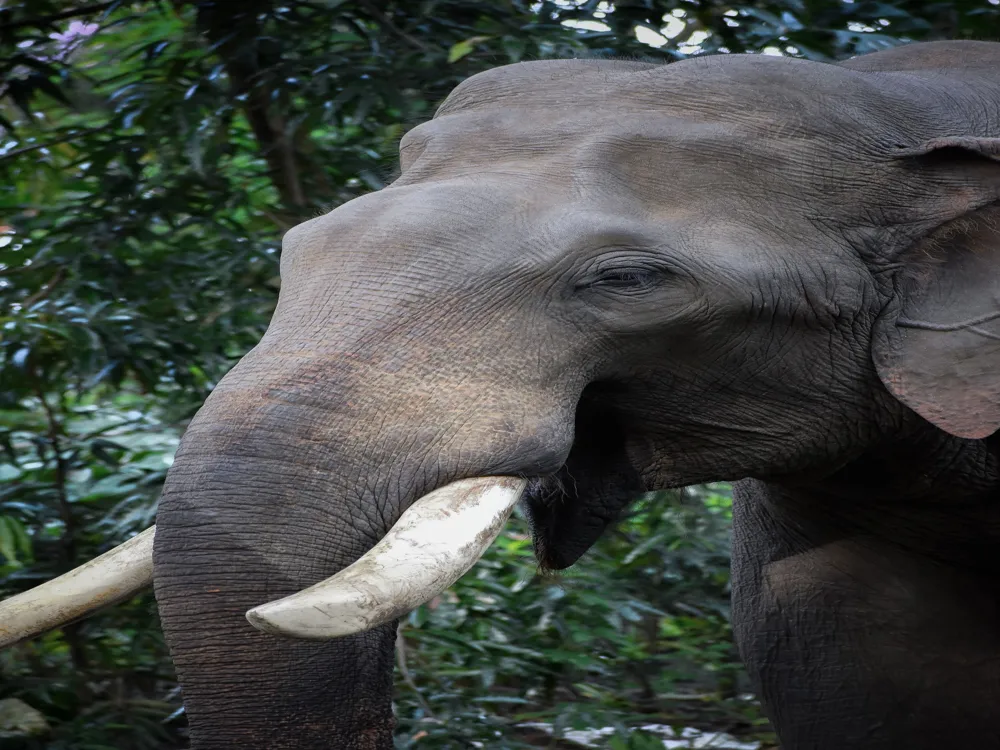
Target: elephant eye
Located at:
point(628, 277)
point(623, 280)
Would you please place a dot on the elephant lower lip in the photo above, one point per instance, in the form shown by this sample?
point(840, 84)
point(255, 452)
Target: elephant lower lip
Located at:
point(570, 508)
point(543, 499)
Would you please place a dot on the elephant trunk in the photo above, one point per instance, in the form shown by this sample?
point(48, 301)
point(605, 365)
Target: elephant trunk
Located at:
point(254, 511)
point(297, 465)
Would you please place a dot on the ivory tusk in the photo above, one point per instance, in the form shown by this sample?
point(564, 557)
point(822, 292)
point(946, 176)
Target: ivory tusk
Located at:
point(110, 578)
point(431, 546)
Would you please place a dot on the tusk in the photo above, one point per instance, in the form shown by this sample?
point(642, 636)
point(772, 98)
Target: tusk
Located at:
point(110, 578)
point(431, 546)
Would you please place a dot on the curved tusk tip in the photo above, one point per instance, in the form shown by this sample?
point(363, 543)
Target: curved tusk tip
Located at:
point(289, 618)
point(260, 620)
point(434, 542)
point(269, 618)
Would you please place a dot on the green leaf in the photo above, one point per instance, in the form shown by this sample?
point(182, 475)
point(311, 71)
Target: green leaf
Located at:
point(8, 540)
point(460, 49)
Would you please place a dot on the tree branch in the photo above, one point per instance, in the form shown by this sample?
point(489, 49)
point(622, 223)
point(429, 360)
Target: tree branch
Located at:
point(386, 18)
point(234, 35)
point(407, 677)
point(43, 21)
point(67, 542)
point(62, 473)
point(66, 138)
point(47, 288)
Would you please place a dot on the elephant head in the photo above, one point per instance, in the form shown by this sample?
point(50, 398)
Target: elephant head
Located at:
point(598, 278)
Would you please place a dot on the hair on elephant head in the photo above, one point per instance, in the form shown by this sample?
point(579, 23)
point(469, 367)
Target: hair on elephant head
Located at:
point(595, 278)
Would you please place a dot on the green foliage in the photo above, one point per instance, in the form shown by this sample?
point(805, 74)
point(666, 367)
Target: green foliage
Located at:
point(84, 486)
point(637, 632)
point(151, 154)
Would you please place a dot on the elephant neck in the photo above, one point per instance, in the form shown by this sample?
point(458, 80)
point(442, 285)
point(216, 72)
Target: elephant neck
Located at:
point(928, 492)
point(928, 465)
point(921, 463)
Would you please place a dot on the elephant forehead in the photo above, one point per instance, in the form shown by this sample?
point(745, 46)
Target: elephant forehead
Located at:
point(550, 84)
point(743, 88)
point(752, 116)
point(641, 155)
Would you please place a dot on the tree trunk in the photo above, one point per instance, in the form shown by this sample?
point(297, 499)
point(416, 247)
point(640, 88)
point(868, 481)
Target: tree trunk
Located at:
point(250, 58)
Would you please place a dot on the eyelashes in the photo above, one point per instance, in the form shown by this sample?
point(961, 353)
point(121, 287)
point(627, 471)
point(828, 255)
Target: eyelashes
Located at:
point(623, 280)
point(627, 278)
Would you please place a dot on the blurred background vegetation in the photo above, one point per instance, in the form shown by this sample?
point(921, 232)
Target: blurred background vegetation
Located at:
point(151, 155)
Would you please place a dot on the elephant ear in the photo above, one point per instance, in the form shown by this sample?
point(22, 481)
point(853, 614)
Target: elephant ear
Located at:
point(942, 355)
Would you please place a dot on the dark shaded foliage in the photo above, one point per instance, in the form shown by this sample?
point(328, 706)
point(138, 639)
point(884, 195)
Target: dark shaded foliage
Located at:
point(151, 154)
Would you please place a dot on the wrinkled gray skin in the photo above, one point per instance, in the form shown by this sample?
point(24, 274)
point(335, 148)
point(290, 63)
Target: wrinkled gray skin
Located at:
point(611, 277)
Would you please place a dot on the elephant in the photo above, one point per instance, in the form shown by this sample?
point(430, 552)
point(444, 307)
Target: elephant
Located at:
point(591, 279)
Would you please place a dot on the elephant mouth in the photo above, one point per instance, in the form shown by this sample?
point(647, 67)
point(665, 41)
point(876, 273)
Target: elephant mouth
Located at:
point(443, 534)
point(570, 509)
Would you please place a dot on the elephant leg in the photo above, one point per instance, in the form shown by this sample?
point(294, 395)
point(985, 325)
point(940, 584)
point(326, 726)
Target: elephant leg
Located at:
point(855, 642)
